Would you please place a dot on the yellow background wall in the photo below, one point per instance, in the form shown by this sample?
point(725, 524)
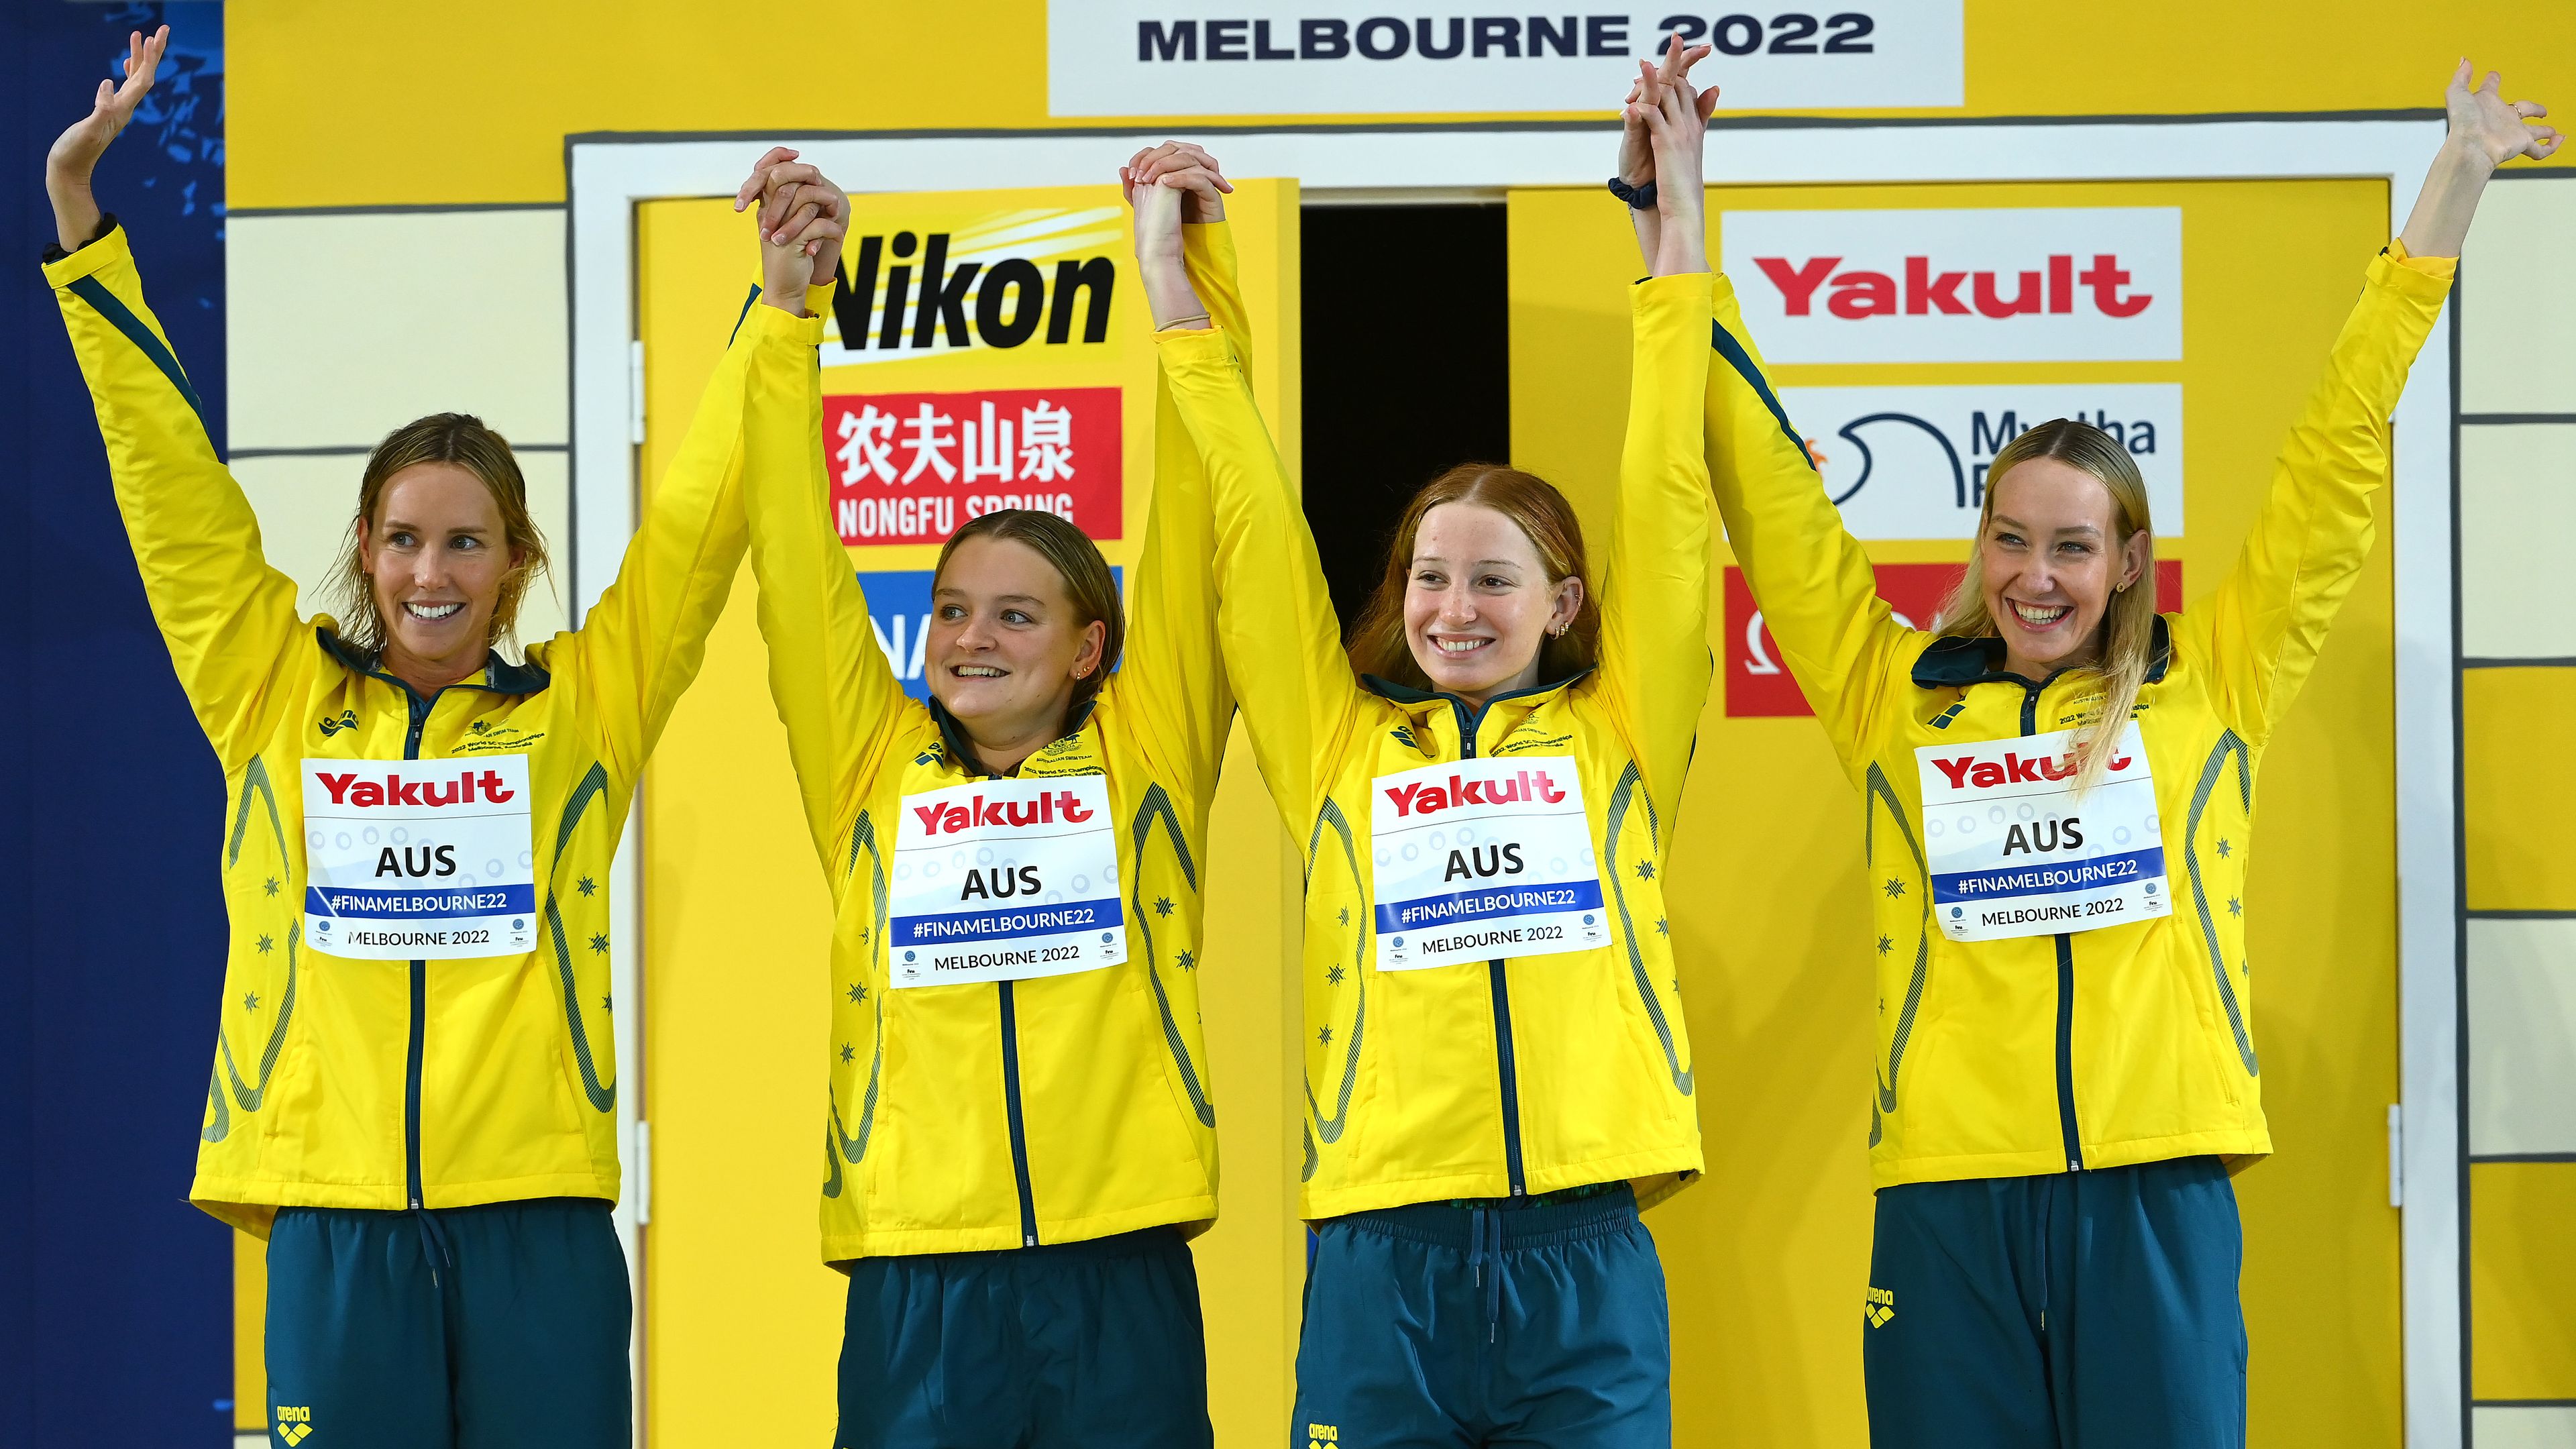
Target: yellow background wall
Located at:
point(467, 105)
point(469, 101)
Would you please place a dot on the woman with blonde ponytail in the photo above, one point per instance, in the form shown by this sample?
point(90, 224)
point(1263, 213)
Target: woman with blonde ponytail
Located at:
point(2059, 786)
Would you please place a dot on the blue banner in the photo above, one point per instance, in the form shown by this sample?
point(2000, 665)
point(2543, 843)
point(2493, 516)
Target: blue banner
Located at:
point(2007, 882)
point(1488, 903)
point(966, 928)
point(417, 904)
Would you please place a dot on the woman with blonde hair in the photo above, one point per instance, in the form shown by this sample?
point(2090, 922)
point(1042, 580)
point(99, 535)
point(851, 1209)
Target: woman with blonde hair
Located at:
point(2059, 785)
point(414, 1092)
point(1484, 785)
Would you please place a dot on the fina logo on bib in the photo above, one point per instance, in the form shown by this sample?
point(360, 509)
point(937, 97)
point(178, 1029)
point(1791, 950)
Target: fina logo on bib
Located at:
point(2014, 851)
point(407, 859)
point(1480, 859)
point(1002, 880)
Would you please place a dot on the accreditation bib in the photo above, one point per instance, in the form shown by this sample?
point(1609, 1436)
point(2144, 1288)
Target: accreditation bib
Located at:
point(2013, 852)
point(1480, 859)
point(405, 859)
point(1002, 880)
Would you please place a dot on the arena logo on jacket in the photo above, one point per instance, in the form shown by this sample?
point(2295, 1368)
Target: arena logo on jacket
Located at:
point(2000, 284)
point(1359, 57)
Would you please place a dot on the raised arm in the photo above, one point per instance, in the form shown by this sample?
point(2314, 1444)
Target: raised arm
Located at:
point(1172, 682)
point(1655, 661)
point(1810, 577)
point(641, 644)
point(2266, 621)
point(227, 616)
point(1280, 639)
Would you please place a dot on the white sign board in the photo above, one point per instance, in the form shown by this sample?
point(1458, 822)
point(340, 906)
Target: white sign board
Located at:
point(2004, 284)
point(1911, 462)
point(1364, 57)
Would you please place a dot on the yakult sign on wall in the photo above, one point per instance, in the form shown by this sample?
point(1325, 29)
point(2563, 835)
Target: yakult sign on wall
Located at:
point(1379, 57)
point(2023, 284)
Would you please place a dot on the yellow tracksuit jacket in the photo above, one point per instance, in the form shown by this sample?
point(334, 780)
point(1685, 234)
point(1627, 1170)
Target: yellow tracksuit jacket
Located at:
point(353, 1083)
point(2123, 1044)
point(1514, 1076)
point(1004, 1114)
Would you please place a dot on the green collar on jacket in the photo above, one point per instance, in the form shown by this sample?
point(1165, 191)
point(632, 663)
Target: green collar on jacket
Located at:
point(503, 676)
point(1961, 660)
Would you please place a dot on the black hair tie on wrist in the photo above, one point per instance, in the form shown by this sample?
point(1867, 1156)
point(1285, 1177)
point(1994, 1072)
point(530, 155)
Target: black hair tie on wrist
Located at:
point(1641, 198)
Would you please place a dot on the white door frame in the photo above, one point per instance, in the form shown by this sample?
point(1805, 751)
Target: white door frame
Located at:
point(608, 174)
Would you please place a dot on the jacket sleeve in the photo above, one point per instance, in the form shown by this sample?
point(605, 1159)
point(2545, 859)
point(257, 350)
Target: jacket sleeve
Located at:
point(1280, 638)
point(1172, 682)
point(1655, 663)
point(229, 619)
point(641, 644)
point(1811, 578)
point(834, 690)
point(2263, 625)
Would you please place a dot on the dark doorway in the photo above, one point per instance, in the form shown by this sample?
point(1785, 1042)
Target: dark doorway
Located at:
point(1406, 369)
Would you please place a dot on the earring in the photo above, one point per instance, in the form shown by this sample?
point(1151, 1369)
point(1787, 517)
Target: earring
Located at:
point(1557, 631)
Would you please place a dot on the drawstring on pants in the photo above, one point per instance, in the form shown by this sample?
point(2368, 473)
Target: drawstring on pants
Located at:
point(1485, 1240)
point(433, 1242)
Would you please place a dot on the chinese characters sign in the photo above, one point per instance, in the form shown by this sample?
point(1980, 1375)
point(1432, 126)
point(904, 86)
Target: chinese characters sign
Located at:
point(912, 467)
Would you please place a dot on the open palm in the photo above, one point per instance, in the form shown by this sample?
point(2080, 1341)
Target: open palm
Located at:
point(77, 150)
point(2482, 119)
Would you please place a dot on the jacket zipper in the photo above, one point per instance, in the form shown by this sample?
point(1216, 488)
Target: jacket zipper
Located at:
point(1507, 1068)
point(419, 995)
point(1019, 1131)
point(2069, 1138)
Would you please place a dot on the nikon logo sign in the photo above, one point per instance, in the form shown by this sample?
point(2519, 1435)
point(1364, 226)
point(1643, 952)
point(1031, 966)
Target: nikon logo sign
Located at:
point(1376, 57)
point(1041, 279)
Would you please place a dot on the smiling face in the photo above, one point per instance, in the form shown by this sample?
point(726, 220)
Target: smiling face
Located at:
point(1007, 646)
point(2052, 557)
point(436, 554)
point(1478, 603)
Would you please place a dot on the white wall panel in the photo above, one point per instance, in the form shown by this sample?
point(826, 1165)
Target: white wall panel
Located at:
point(345, 326)
point(2517, 513)
point(2538, 1427)
point(2522, 1035)
point(2518, 319)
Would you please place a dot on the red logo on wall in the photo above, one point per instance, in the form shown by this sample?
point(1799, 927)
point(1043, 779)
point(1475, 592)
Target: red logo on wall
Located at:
point(911, 467)
point(1758, 683)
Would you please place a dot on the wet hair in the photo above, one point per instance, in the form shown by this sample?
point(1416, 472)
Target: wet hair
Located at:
point(1378, 644)
point(1076, 559)
point(461, 440)
point(2128, 628)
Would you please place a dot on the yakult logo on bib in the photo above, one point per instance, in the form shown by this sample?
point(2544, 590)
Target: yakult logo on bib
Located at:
point(1004, 880)
point(2023, 284)
point(955, 817)
point(1430, 799)
point(408, 859)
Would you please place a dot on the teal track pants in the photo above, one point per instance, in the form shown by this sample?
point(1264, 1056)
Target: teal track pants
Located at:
point(1086, 1345)
point(2072, 1310)
point(497, 1327)
point(1527, 1323)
